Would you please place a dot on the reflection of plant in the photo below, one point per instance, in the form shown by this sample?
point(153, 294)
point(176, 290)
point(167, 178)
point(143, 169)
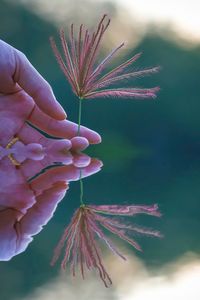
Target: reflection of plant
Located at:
point(88, 80)
point(85, 226)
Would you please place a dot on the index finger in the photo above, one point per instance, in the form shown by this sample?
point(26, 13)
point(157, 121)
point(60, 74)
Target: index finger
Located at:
point(37, 87)
point(62, 129)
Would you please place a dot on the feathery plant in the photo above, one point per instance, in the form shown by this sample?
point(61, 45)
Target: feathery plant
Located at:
point(90, 80)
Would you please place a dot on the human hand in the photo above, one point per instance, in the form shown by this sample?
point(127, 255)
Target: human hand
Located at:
point(41, 195)
point(26, 95)
point(17, 74)
point(22, 144)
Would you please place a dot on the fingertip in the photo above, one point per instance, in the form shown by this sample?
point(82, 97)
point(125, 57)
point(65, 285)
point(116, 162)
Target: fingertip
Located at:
point(47, 102)
point(96, 163)
point(59, 114)
point(81, 160)
point(96, 138)
point(79, 143)
point(32, 82)
point(92, 136)
point(94, 167)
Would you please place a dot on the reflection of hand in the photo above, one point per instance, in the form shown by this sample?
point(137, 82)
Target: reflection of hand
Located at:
point(17, 226)
point(25, 95)
point(35, 152)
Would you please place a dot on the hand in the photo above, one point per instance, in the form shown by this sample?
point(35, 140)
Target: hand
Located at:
point(41, 195)
point(31, 152)
point(26, 95)
point(17, 74)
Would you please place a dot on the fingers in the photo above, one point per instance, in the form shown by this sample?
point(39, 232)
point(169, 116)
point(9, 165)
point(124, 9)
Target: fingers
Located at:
point(40, 213)
point(18, 73)
point(8, 237)
point(36, 86)
point(79, 143)
point(48, 179)
point(7, 67)
point(62, 129)
point(15, 236)
point(94, 167)
point(73, 173)
point(31, 168)
point(81, 160)
point(63, 174)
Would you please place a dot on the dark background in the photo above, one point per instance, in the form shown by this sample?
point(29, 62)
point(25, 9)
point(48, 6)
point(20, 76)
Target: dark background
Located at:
point(150, 149)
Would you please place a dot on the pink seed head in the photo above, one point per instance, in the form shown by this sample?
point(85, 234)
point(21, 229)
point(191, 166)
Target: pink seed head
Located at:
point(88, 224)
point(88, 78)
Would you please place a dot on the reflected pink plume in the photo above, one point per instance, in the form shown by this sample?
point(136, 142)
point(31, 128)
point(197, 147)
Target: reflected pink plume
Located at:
point(87, 224)
point(127, 210)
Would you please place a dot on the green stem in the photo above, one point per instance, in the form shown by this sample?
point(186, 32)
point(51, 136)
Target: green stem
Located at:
point(78, 133)
point(79, 116)
point(81, 189)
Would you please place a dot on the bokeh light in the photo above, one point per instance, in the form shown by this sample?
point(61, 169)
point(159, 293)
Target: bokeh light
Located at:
point(132, 280)
point(171, 17)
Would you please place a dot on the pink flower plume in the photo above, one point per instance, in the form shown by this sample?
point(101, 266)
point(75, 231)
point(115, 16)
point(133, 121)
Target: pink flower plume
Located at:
point(89, 223)
point(86, 76)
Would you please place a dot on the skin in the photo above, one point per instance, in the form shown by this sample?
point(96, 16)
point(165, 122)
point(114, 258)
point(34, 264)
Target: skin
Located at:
point(20, 81)
point(27, 205)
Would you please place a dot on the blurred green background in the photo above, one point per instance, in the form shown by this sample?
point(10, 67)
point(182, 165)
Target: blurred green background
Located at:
point(150, 149)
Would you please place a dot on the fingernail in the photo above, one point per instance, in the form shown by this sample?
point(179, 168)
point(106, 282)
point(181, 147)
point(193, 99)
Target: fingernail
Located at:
point(95, 138)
